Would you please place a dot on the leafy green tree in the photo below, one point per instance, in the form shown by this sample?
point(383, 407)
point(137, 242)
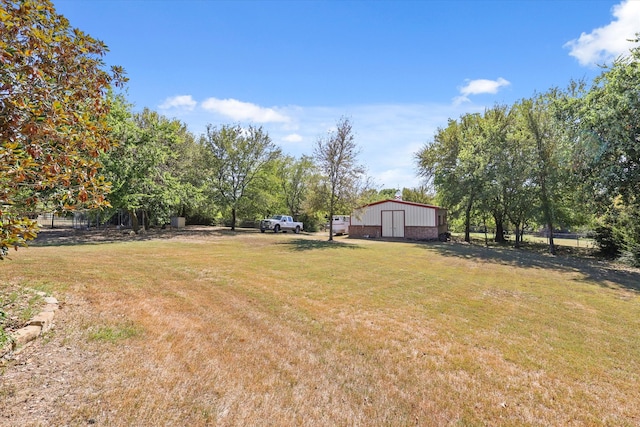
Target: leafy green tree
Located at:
point(294, 176)
point(454, 164)
point(262, 197)
point(614, 228)
point(387, 193)
point(236, 157)
point(337, 159)
point(146, 167)
point(609, 121)
point(186, 163)
point(421, 194)
point(494, 142)
point(517, 171)
point(53, 113)
point(553, 149)
point(503, 164)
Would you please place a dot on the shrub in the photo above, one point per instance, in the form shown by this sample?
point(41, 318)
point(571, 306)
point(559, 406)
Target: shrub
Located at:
point(608, 240)
point(309, 222)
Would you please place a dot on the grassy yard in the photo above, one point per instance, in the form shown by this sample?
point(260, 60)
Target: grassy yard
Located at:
point(221, 328)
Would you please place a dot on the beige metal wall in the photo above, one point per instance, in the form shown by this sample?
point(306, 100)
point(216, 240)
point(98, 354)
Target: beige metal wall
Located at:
point(414, 215)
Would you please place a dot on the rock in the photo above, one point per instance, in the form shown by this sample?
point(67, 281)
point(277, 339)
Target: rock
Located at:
point(43, 319)
point(24, 335)
point(50, 307)
point(51, 300)
point(5, 349)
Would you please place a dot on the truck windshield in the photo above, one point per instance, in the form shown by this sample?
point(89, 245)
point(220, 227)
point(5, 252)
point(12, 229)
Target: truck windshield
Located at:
point(278, 217)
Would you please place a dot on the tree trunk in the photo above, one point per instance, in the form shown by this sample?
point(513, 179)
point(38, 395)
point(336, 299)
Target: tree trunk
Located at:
point(134, 221)
point(331, 224)
point(332, 205)
point(548, 214)
point(552, 246)
point(499, 238)
point(331, 227)
point(467, 221)
point(233, 219)
point(544, 168)
point(498, 217)
point(517, 227)
point(486, 239)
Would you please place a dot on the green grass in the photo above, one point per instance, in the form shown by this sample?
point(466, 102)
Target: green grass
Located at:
point(4, 336)
point(114, 333)
point(18, 304)
point(264, 329)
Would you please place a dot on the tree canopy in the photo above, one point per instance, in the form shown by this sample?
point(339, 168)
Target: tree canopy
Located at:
point(236, 157)
point(151, 166)
point(53, 110)
point(337, 157)
point(502, 164)
point(607, 118)
point(563, 158)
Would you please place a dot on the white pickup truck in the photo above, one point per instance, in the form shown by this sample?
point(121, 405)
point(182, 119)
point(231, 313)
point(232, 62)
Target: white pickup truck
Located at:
point(280, 223)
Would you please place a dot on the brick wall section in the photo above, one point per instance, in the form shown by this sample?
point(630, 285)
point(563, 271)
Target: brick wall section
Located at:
point(421, 233)
point(411, 233)
point(373, 231)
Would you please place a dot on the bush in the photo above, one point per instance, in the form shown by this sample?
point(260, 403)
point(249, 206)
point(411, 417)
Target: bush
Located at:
point(631, 258)
point(200, 219)
point(249, 223)
point(309, 222)
point(609, 241)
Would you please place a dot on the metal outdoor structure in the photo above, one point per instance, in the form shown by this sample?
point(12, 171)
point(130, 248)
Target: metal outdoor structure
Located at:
point(85, 220)
point(395, 218)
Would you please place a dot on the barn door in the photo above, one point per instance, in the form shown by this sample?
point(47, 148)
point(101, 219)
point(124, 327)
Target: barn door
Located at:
point(387, 223)
point(392, 223)
point(398, 223)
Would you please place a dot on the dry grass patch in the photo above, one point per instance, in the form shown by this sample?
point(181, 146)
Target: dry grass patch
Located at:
point(263, 329)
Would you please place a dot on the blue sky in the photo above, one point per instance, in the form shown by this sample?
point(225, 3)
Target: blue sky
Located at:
point(397, 69)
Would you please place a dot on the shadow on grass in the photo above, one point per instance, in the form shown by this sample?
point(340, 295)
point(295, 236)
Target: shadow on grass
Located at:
point(312, 244)
point(602, 272)
point(72, 237)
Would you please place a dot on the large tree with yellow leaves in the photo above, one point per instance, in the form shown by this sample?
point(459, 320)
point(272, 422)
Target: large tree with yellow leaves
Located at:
point(53, 109)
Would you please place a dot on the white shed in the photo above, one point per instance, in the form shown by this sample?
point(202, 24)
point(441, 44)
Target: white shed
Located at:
point(400, 219)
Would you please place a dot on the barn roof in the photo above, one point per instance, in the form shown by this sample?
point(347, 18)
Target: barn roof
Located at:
point(403, 202)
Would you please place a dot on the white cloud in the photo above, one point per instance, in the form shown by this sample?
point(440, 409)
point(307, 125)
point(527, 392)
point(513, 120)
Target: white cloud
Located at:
point(184, 102)
point(243, 111)
point(460, 100)
point(607, 43)
point(388, 135)
point(294, 137)
point(480, 86)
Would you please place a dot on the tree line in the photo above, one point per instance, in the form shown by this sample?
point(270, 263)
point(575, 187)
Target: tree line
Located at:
point(69, 142)
point(230, 175)
point(567, 158)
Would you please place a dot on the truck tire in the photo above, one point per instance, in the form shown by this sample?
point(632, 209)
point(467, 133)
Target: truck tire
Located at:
point(297, 229)
point(276, 228)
